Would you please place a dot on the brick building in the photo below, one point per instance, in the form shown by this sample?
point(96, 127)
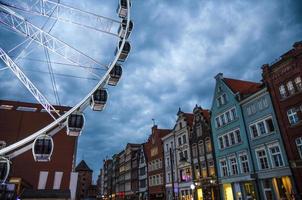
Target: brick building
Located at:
point(283, 79)
point(84, 180)
point(17, 121)
point(155, 156)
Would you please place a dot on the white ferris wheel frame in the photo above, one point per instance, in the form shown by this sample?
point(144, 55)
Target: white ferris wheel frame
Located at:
point(58, 124)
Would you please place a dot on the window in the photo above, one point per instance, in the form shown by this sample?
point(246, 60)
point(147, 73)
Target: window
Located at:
point(292, 116)
point(232, 137)
point(260, 105)
point(253, 108)
point(221, 145)
point(282, 91)
point(217, 122)
point(194, 151)
point(179, 141)
point(208, 145)
point(237, 132)
point(167, 147)
point(248, 110)
point(261, 128)
point(234, 114)
point(184, 139)
point(298, 83)
point(222, 119)
point(224, 98)
point(264, 101)
point(186, 154)
point(254, 132)
point(219, 101)
point(262, 159)
point(180, 125)
point(226, 140)
point(228, 117)
point(299, 146)
point(244, 163)
point(223, 168)
point(290, 87)
point(270, 125)
point(198, 131)
point(276, 156)
point(234, 168)
point(201, 148)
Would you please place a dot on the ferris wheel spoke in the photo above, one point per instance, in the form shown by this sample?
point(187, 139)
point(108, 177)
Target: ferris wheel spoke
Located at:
point(20, 25)
point(28, 84)
point(66, 14)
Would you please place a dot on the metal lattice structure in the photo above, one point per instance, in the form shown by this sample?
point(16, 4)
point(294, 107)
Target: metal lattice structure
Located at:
point(14, 21)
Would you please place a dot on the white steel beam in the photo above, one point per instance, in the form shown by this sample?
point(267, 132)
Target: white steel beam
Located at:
point(20, 25)
point(28, 84)
point(65, 13)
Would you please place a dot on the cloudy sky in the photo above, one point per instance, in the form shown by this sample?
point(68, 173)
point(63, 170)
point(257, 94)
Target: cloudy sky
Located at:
point(177, 48)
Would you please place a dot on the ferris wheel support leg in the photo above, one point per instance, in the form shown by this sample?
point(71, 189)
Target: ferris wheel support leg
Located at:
point(28, 84)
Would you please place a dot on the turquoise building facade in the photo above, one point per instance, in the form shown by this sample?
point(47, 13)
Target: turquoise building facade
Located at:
point(266, 145)
point(236, 172)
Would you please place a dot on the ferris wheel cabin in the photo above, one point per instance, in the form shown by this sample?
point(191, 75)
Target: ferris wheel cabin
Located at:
point(115, 75)
point(99, 99)
point(4, 169)
point(122, 9)
point(125, 51)
point(75, 124)
point(42, 148)
point(122, 29)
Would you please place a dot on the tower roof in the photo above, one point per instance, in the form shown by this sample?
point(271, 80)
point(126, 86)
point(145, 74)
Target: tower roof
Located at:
point(82, 166)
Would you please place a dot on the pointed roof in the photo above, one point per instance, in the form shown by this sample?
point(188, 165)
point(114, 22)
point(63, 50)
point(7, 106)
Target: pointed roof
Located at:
point(82, 166)
point(242, 87)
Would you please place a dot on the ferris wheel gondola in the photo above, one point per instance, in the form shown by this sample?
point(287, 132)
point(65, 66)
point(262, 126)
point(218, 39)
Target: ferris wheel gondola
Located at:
point(99, 99)
point(125, 51)
point(115, 75)
point(4, 169)
point(122, 29)
point(75, 123)
point(42, 148)
point(123, 8)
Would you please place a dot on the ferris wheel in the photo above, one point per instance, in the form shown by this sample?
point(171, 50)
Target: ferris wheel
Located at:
point(20, 17)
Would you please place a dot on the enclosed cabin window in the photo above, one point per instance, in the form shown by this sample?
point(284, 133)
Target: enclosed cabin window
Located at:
point(122, 10)
point(42, 148)
point(122, 29)
point(125, 51)
point(99, 99)
point(75, 124)
point(115, 74)
point(4, 169)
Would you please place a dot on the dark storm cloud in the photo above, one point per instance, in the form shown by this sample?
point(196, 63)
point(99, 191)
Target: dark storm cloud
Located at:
point(178, 47)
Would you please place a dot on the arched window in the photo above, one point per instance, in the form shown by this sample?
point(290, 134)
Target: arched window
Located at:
point(208, 145)
point(201, 148)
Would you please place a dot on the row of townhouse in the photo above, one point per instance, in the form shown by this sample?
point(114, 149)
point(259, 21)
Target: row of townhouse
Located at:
point(248, 146)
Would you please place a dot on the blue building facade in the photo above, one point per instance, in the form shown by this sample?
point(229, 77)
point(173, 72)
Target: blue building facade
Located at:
point(233, 158)
point(270, 161)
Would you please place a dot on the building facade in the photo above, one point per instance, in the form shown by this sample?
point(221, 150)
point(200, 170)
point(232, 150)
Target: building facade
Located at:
point(108, 178)
point(266, 145)
point(230, 139)
point(283, 79)
point(155, 156)
point(142, 176)
point(131, 171)
point(203, 159)
point(19, 120)
point(120, 193)
point(84, 179)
